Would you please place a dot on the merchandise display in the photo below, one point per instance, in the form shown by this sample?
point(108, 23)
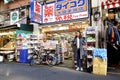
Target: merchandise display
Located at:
point(7, 45)
point(26, 41)
point(92, 42)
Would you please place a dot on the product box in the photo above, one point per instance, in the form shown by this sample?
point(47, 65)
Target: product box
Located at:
point(99, 66)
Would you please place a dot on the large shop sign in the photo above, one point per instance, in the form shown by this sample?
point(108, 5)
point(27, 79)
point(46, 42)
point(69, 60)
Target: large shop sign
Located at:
point(36, 14)
point(14, 17)
point(64, 10)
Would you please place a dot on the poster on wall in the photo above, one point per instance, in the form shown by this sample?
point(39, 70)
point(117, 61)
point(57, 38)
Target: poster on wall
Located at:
point(14, 17)
point(65, 10)
point(35, 11)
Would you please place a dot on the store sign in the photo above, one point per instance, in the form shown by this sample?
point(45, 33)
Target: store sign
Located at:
point(14, 17)
point(48, 13)
point(65, 10)
point(36, 11)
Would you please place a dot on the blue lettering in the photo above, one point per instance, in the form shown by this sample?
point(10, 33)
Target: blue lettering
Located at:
point(66, 5)
point(69, 11)
point(73, 4)
point(81, 2)
point(58, 7)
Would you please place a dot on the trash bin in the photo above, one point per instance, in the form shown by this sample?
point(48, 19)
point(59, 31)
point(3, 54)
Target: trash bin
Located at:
point(23, 55)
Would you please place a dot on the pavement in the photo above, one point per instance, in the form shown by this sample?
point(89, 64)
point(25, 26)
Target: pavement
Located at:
point(18, 71)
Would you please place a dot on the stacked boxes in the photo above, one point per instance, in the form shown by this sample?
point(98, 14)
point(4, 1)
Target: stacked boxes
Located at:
point(99, 66)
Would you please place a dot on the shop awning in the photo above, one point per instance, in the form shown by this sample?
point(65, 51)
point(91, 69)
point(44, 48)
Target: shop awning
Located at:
point(110, 4)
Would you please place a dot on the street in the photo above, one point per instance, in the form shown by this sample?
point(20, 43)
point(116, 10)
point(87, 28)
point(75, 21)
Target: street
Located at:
point(17, 71)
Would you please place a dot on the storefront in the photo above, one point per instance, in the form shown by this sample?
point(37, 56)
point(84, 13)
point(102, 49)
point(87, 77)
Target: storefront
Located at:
point(111, 17)
point(60, 20)
point(9, 41)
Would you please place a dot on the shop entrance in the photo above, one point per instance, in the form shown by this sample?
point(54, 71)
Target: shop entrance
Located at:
point(65, 40)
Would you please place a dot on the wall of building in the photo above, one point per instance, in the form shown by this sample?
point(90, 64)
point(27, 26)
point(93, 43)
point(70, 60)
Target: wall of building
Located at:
point(13, 4)
point(18, 3)
point(94, 5)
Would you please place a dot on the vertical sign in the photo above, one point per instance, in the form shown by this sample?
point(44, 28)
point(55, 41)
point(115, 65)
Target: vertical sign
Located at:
point(14, 17)
point(36, 14)
point(48, 13)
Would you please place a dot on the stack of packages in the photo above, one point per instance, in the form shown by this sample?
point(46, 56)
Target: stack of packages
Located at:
point(100, 62)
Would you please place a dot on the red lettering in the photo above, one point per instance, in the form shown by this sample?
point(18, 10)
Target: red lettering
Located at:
point(37, 7)
point(48, 11)
point(58, 18)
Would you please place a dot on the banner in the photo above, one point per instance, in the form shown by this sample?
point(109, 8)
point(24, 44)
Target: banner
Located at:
point(48, 13)
point(65, 10)
point(7, 1)
point(14, 17)
point(35, 12)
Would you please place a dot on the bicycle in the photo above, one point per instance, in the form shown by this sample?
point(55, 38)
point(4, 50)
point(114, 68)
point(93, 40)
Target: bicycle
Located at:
point(42, 56)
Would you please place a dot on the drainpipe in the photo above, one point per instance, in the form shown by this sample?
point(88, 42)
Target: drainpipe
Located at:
point(90, 11)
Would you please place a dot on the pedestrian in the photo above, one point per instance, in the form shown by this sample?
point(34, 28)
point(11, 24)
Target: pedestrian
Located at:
point(78, 43)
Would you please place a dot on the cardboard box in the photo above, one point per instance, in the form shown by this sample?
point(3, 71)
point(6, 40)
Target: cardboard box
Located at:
point(99, 66)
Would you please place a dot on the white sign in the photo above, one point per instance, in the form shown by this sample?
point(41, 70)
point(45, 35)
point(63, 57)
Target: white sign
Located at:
point(14, 17)
point(48, 13)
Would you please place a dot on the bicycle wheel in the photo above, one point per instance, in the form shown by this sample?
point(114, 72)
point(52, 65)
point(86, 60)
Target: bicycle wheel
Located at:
point(49, 60)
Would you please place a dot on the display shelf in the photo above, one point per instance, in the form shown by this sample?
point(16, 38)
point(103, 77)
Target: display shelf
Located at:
point(92, 42)
point(89, 32)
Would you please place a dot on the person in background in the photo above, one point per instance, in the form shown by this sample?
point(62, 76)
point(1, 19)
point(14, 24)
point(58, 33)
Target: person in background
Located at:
point(118, 27)
point(78, 43)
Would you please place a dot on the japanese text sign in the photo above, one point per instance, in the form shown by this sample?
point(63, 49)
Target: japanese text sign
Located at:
point(48, 13)
point(36, 11)
point(70, 6)
point(65, 10)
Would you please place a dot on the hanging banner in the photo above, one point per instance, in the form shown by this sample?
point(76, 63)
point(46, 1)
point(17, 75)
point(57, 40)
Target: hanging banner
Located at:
point(14, 17)
point(7, 1)
point(35, 12)
point(48, 13)
point(65, 10)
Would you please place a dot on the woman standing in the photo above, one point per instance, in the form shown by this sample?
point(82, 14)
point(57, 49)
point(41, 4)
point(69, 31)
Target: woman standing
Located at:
point(78, 43)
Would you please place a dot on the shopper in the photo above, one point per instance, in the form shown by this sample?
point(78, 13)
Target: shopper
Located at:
point(78, 43)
